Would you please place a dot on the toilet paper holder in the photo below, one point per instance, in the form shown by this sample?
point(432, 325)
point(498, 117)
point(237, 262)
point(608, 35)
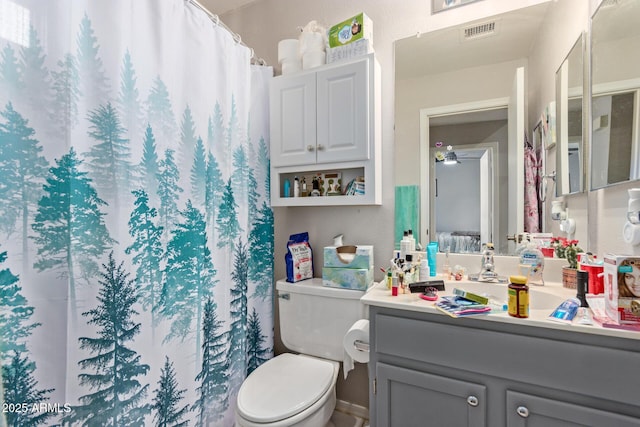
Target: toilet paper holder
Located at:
point(361, 345)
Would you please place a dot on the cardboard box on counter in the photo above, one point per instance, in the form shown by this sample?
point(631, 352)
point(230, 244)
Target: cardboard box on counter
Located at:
point(347, 278)
point(349, 256)
point(622, 288)
point(348, 31)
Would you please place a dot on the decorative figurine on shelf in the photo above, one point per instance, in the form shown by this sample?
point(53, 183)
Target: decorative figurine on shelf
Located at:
point(334, 188)
point(316, 188)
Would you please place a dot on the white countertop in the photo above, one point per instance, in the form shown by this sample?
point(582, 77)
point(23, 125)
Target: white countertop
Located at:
point(543, 300)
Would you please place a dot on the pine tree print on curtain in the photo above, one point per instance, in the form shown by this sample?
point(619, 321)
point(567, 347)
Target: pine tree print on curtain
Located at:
point(18, 371)
point(189, 278)
point(213, 378)
point(22, 172)
point(69, 225)
point(115, 371)
point(168, 397)
point(147, 247)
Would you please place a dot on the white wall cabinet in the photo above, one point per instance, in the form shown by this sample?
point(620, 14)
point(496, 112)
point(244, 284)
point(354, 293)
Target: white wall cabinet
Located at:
point(327, 120)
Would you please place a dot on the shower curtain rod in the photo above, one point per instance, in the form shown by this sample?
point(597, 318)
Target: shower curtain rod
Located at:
point(216, 20)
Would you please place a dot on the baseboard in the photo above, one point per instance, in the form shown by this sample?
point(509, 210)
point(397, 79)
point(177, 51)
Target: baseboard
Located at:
point(352, 409)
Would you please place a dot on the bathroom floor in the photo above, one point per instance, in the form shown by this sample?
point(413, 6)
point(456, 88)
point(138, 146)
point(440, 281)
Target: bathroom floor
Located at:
point(340, 419)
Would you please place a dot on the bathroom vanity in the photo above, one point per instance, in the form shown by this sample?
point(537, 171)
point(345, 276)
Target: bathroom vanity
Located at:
point(429, 369)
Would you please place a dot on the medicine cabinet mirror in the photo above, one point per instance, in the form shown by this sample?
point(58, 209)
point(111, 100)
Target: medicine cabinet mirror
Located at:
point(466, 85)
point(615, 86)
point(570, 146)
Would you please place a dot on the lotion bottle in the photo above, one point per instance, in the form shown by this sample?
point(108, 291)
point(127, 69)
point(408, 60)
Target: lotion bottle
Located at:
point(413, 240)
point(296, 187)
point(405, 245)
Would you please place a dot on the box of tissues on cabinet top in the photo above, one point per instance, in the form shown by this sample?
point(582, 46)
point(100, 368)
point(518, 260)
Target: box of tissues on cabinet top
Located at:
point(348, 267)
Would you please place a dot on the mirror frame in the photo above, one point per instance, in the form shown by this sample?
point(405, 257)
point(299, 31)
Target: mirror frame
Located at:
point(563, 97)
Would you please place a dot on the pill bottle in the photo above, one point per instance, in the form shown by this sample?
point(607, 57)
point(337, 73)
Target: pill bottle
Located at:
point(518, 297)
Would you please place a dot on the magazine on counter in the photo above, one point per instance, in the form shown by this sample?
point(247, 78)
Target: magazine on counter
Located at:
point(456, 306)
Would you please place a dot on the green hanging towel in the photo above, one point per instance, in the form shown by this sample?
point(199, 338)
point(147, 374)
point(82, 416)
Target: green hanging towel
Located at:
point(407, 211)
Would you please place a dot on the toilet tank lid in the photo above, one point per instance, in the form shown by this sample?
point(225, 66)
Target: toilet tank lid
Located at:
point(315, 287)
point(283, 387)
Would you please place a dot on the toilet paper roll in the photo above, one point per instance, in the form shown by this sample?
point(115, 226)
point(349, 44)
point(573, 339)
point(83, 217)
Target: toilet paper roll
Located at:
point(288, 50)
point(313, 59)
point(289, 67)
point(359, 331)
point(311, 41)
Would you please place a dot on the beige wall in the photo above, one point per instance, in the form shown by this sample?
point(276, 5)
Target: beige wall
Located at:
point(262, 24)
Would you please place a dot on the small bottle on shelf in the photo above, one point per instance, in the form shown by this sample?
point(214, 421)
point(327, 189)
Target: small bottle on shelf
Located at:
point(287, 188)
point(296, 187)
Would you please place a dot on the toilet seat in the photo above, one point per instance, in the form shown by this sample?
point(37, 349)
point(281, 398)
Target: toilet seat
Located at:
point(283, 387)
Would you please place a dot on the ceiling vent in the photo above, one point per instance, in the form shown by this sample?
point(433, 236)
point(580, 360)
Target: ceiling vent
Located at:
point(477, 31)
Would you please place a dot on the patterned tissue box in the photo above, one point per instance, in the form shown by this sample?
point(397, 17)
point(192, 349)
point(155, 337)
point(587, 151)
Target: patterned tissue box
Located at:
point(347, 278)
point(360, 256)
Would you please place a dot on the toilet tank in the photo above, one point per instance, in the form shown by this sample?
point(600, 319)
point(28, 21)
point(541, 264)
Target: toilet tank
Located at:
point(314, 318)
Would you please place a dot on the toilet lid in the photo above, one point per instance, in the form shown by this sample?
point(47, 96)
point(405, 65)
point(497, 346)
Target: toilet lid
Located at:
point(283, 386)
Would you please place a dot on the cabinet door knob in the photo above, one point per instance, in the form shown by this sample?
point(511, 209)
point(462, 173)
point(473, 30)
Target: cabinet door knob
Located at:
point(320, 147)
point(310, 148)
point(472, 401)
point(523, 411)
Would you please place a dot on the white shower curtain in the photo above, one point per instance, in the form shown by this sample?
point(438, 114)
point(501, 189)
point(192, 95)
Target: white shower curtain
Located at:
point(136, 234)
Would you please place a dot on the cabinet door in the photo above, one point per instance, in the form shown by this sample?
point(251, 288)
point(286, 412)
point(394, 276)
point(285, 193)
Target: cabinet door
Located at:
point(525, 410)
point(343, 113)
point(410, 398)
point(293, 120)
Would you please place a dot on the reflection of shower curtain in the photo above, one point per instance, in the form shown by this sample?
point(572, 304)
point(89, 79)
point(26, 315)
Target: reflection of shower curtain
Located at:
point(531, 182)
point(136, 236)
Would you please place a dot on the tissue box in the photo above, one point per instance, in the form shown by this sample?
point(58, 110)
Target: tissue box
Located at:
point(622, 288)
point(352, 50)
point(347, 278)
point(348, 257)
point(356, 28)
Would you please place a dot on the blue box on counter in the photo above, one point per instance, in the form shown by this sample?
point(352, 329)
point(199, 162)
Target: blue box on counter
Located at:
point(360, 256)
point(347, 278)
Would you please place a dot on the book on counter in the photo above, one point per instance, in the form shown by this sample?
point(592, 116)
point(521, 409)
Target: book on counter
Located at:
point(457, 306)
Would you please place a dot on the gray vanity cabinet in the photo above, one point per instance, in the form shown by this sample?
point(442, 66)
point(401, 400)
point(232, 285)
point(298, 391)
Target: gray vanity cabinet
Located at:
point(430, 369)
point(418, 399)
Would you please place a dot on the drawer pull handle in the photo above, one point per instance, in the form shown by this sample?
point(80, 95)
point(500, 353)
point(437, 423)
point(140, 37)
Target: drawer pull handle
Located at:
point(523, 411)
point(284, 296)
point(310, 148)
point(472, 401)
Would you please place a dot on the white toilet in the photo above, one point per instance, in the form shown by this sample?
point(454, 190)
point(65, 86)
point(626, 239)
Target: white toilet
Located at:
point(300, 389)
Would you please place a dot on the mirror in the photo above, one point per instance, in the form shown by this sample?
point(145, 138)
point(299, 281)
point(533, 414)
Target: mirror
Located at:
point(457, 74)
point(470, 194)
point(570, 146)
point(615, 83)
